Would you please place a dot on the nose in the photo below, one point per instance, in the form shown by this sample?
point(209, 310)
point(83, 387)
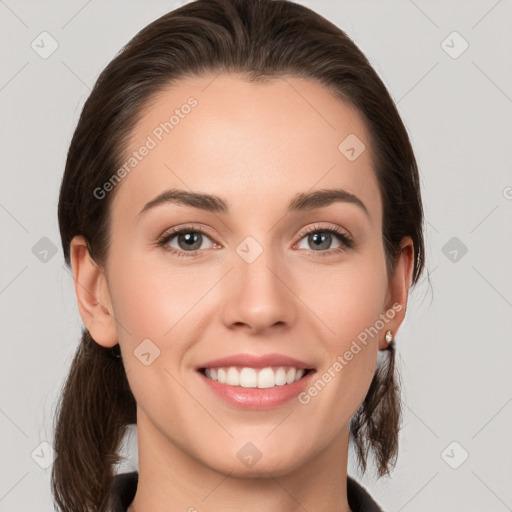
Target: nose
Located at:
point(258, 295)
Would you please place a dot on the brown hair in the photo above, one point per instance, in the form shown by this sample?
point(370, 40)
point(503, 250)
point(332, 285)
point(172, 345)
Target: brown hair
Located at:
point(258, 40)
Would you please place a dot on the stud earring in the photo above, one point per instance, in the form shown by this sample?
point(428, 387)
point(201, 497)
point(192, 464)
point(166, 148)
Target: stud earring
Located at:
point(116, 352)
point(389, 337)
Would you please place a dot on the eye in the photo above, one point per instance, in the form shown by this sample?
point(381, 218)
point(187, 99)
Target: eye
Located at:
point(188, 241)
point(320, 238)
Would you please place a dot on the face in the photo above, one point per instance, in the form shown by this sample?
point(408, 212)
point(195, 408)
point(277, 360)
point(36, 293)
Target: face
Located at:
point(266, 273)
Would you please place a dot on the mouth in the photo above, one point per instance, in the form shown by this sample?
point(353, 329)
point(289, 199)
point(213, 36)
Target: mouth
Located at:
point(260, 378)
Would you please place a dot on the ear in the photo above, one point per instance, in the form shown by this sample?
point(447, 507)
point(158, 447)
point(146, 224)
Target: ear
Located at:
point(92, 293)
point(398, 290)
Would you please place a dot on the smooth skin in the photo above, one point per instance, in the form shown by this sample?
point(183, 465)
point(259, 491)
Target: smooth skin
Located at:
point(257, 146)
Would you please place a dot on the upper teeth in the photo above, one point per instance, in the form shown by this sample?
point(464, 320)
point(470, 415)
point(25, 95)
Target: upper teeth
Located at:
point(252, 378)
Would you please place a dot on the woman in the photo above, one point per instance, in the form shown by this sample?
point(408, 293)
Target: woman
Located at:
point(241, 211)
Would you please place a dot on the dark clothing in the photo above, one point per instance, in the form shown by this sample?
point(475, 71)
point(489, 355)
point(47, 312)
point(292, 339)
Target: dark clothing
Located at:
point(125, 485)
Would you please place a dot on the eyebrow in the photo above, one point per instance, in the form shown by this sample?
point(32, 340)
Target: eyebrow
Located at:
point(215, 204)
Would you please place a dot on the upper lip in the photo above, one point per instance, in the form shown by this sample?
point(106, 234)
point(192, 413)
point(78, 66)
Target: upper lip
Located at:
point(256, 361)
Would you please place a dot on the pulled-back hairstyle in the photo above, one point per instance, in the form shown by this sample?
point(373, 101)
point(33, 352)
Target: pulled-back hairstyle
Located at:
point(258, 40)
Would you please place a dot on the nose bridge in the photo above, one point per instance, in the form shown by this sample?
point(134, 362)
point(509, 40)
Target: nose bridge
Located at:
point(257, 263)
point(258, 296)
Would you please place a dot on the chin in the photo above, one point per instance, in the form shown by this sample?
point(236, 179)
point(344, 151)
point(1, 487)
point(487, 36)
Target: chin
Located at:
point(251, 462)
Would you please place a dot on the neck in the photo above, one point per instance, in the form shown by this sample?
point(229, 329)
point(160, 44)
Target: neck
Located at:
point(173, 480)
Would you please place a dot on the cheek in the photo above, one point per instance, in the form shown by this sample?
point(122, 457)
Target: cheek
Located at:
point(348, 298)
point(150, 299)
point(351, 309)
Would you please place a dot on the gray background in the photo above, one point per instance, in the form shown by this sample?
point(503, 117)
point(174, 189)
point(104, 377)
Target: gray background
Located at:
point(454, 349)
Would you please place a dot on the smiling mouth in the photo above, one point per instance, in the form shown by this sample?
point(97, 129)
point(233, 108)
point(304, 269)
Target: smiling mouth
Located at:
point(262, 378)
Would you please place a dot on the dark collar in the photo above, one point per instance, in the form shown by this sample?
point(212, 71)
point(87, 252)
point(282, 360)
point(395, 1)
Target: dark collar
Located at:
point(125, 485)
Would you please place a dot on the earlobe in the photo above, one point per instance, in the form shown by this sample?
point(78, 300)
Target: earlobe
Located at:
point(92, 294)
point(398, 292)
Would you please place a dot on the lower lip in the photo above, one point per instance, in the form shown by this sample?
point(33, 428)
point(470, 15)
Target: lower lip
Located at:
point(256, 398)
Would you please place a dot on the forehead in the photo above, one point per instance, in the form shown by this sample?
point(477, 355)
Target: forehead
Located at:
point(257, 144)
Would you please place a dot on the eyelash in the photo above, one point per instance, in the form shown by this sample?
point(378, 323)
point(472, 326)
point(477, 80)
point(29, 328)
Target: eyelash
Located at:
point(346, 240)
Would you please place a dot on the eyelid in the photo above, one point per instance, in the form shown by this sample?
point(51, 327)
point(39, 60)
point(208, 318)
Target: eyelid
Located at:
point(318, 227)
point(187, 227)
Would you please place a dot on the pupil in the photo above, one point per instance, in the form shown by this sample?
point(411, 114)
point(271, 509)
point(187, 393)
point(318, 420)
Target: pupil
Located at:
point(191, 239)
point(321, 238)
